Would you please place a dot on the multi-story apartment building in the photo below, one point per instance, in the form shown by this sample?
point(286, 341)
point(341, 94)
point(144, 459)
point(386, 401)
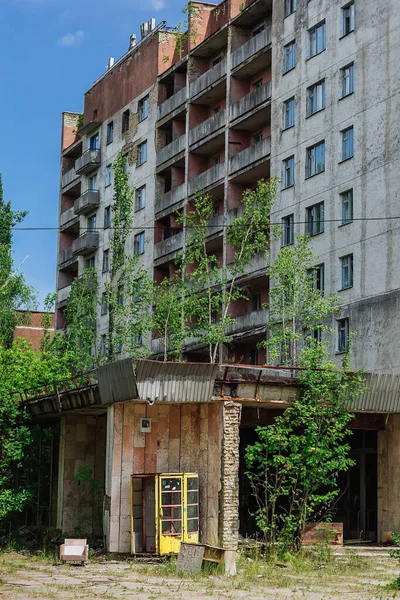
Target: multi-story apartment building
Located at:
point(298, 89)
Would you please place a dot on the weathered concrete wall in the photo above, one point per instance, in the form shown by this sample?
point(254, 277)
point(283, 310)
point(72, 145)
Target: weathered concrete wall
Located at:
point(388, 477)
point(184, 438)
point(82, 448)
point(229, 512)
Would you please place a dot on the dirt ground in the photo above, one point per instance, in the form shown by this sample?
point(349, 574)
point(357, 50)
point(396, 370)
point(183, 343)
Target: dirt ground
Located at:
point(317, 578)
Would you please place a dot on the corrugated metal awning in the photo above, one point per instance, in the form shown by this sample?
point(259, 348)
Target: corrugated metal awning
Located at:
point(175, 382)
point(117, 381)
point(383, 395)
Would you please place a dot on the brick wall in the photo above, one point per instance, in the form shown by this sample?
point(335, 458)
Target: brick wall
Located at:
point(229, 509)
point(33, 330)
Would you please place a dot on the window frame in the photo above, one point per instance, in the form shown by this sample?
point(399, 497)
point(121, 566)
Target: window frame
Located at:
point(315, 226)
point(139, 205)
point(311, 161)
point(291, 46)
point(110, 133)
point(90, 181)
point(139, 243)
point(314, 90)
point(103, 304)
point(346, 272)
point(315, 31)
point(108, 176)
point(91, 223)
point(107, 217)
point(94, 141)
point(289, 7)
point(343, 329)
point(350, 199)
point(106, 261)
point(125, 121)
point(143, 103)
point(287, 230)
point(343, 80)
point(141, 159)
point(288, 168)
point(287, 122)
point(347, 143)
point(344, 30)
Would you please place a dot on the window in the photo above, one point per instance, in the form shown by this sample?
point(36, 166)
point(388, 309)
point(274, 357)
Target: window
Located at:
point(103, 345)
point(317, 39)
point(94, 142)
point(253, 356)
point(92, 183)
point(289, 56)
point(106, 259)
point(347, 143)
point(120, 297)
point(137, 338)
point(319, 278)
point(126, 166)
point(256, 302)
point(143, 108)
point(343, 335)
point(347, 19)
point(258, 30)
point(316, 334)
point(315, 219)
point(140, 198)
point(108, 175)
point(217, 60)
point(288, 230)
point(215, 160)
point(91, 223)
point(139, 243)
point(110, 132)
point(290, 7)
point(315, 160)
point(346, 263)
point(257, 137)
point(315, 98)
point(125, 121)
point(347, 206)
point(257, 84)
point(347, 80)
point(90, 262)
point(288, 113)
point(103, 309)
point(142, 153)
point(288, 172)
point(216, 110)
point(107, 217)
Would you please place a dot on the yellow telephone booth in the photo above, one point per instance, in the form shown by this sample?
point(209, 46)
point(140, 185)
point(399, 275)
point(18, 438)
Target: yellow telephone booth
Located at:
point(164, 512)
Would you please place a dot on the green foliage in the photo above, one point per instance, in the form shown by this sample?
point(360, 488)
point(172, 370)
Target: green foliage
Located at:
point(80, 121)
point(186, 31)
point(295, 463)
point(169, 314)
point(297, 307)
point(395, 552)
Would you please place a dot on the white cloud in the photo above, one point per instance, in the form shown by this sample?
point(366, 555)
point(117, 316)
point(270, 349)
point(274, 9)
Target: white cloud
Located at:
point(74, 39)
point(157, 5)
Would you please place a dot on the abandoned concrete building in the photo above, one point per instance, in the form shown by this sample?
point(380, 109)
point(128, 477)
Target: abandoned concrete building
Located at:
point(303, 90)
point(148, 454)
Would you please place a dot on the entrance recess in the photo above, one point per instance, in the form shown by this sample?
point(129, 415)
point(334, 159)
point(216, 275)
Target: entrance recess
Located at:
point(164, 512)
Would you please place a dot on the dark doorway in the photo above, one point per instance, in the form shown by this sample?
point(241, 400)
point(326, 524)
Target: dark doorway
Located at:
point(357, 505)
point(247, 502)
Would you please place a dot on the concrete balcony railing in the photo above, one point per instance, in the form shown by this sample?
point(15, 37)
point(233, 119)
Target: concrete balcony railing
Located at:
point(249, 321)
point(63, 293)
point(211, 125)
point(168, 246)
point(65, 256)
point(208, 78)
point(171, 150)
point(207, 178)
point(172, 103)
point(88, 161)
point(215, 225)
point(68, 178)
point(251, 101)
point(257, 43)
point(87, 202)
point(85, 243)
point(250, 155)
point(170, 198)
point(68, 218)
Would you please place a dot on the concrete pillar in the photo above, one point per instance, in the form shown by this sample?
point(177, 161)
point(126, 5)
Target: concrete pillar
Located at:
point(388, 477)
point(229, 506)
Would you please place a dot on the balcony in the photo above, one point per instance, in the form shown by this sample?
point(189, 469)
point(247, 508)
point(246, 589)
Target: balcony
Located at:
point(207, 178)
point(170, 198)
point(69, 179)
point(85, 243)
point(168, 246)
point(254, 321)
point(250, 155)
point(207, 128)
point(62, 295)
point(215, 225)
point(208, 79)
point(68, 219)
point(251, 101)
point(250, 48)
point(172, 103)
point(88, 161)
point(66, 258)
point(87, 202)
point(174, 148)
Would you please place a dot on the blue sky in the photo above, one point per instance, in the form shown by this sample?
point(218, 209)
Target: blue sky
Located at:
point(52, 51)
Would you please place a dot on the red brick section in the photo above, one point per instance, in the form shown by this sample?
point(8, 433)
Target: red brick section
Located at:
point(33, 332)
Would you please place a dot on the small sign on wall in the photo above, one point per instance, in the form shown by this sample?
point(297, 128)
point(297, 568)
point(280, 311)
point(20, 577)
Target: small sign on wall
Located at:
point(145, 425)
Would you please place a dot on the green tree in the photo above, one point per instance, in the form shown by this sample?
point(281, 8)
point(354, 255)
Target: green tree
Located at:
point(294, 464)
point(169, 316)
